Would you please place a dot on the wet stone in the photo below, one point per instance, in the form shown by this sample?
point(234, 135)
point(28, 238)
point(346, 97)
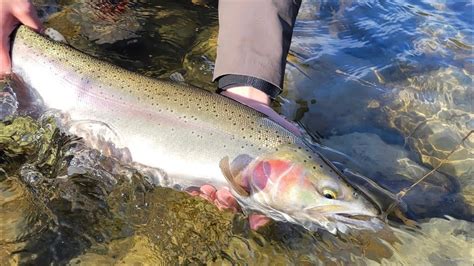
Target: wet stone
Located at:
point(8, 102)
point(30, 175)
point(433, 111)
point(392, 167)
point(199, 62)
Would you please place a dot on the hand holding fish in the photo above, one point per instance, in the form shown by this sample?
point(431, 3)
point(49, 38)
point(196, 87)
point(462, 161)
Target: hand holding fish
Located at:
point(198, 137)
point(224, 200)
point(11, 14)
point(259, 101)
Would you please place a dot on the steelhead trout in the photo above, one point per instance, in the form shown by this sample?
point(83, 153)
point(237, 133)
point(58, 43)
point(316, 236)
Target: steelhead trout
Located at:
point(195, 136)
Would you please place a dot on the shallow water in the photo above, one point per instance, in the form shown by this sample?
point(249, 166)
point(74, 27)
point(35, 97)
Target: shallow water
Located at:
point(387, 85)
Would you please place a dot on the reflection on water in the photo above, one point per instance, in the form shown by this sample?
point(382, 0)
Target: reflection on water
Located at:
point(388, 85)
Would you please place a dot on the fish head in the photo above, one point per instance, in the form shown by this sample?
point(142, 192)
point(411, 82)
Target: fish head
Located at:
point(300, 186)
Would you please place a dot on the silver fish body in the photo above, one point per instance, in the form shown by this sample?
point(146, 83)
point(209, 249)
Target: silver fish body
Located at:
point(182, 130)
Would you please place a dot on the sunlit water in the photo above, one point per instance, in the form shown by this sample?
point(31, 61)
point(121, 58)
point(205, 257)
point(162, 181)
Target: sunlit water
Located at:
point(387, 84)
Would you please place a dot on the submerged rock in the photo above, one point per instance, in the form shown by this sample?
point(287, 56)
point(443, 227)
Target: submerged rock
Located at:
point(143, 37)
point(394, 168)
point(8, 102)
point(101, 22)
point(438, 242)
point(199, 62)
point(434, 112)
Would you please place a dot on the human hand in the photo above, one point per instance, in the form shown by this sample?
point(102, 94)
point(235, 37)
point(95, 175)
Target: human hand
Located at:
point(259, 101)
point(13, 12)
point(224, 200)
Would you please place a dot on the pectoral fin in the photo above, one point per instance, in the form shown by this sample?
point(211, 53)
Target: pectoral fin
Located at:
point(230, 177)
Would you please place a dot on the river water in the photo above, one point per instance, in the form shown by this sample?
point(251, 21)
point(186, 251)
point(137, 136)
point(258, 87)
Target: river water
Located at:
point(387, 85)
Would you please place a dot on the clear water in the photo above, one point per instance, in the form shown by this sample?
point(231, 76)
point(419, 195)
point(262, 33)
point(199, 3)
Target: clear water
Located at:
point(388, 84)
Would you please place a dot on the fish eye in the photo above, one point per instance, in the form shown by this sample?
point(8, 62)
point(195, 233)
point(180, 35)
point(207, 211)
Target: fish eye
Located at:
point(329, 193)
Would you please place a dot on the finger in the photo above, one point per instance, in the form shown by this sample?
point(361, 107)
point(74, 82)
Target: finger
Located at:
point(206, 197)
point(223, 207)
point(5, 63)
point(26, 14)
point(265, 109)
point(257, 221)
point(193, 193)
point(278, 119)
point(7, 24)
point(208, 190)
point(226, 199)
point(287, 124)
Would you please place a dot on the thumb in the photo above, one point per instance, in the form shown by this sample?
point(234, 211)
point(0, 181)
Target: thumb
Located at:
point(27, 15)
point(5, 63)
point(257, 221)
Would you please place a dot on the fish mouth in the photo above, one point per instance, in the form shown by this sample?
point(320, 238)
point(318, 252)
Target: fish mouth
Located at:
point(340, 218)
point(344, 222)
point(332, 218)
point(342, 210)
point(340, 222)
point(347, 217)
